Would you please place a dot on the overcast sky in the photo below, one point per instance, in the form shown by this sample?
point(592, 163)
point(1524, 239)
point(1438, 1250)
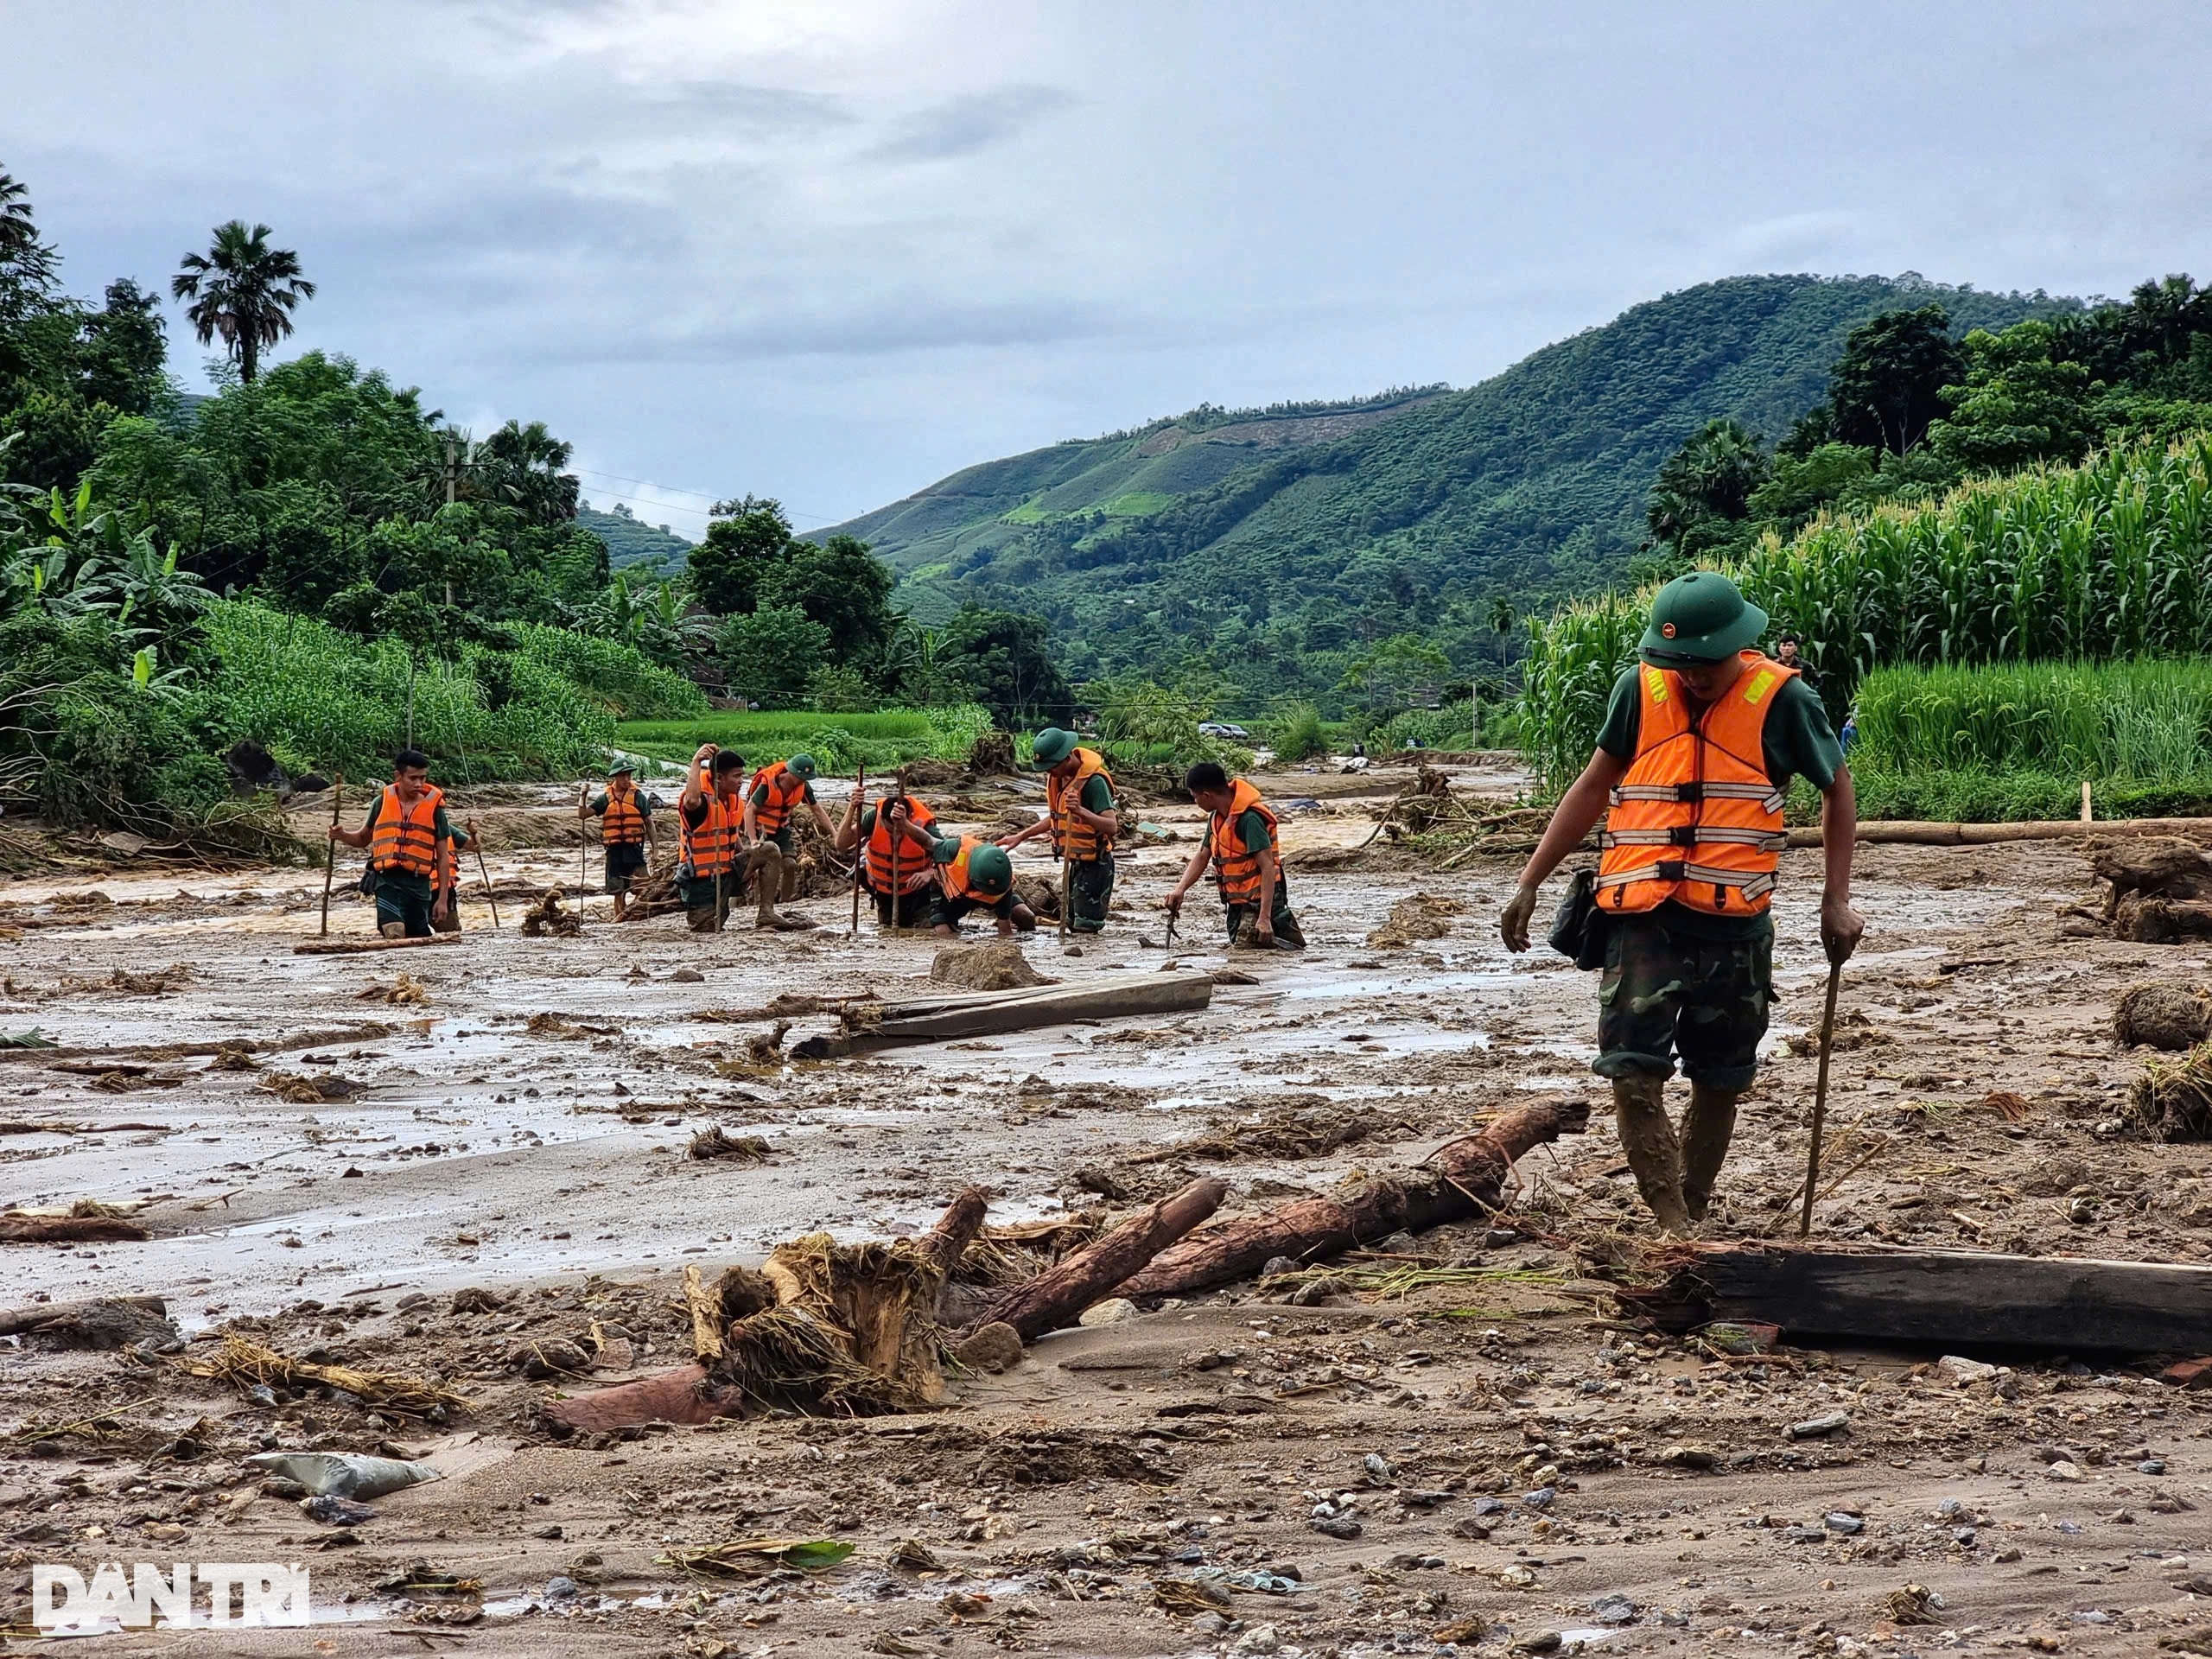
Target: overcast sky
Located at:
point(830, 251)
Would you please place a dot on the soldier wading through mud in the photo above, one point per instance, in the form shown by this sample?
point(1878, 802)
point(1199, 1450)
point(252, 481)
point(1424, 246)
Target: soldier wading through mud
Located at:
point(1699, 744)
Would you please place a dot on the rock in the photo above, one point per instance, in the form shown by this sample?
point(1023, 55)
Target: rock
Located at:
point(1689, 1457)
point(2064, 1469)
point(681, 976)
point(474, 1299)
point(2164, 1016)
point(996, 966)
point(2151, 1467)
point(107, 1325)
point(1542, 1498)
point(333, 1511)
point(1952, 1368)
point(1813, 1427)
point(1113, 1311)
point(1260, 1638)
point(553, 1357)
point(996, 1347)
point(346, 1474)
point(1838, 1521)
point(1380, 1469)
point(560, 1587)
point(1336, 1526)
point(1613, 1610)
point(1278, 1265)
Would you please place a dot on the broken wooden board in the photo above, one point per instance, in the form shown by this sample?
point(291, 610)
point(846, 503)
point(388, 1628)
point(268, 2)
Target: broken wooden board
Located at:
point(363, 946)
point(1956, 1298)
point(865, 1027)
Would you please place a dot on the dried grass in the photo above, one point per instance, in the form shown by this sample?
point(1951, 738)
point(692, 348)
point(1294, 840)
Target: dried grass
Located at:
point(246, 1365)
point(2173, 1098)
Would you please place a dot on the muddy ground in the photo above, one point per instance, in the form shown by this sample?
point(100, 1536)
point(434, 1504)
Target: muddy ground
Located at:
point(1514, 1466)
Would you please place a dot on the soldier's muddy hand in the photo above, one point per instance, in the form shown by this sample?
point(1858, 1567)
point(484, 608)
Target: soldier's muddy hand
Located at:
point(1513, 921)
point(1841, 928)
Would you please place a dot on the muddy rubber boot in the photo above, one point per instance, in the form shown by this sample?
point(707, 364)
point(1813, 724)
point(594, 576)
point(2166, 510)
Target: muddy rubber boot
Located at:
point(392, 929)
point(1654, 1154)
point(1708, 1126)
point(768, 869)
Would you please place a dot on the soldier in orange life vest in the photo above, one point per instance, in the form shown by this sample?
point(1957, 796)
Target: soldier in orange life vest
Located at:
point(625, 830)
point(1241, 845)
point(710, 817)
point(971, 874)
point(1083, 820)
point(1698, 745)
point(777, 792)
point(409, 841)
point(870, 830)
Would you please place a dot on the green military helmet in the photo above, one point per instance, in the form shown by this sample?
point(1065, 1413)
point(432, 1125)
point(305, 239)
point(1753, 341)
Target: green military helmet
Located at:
point(1699, 618)
point(990, 872)
point(1052, 746)
point(801, 767)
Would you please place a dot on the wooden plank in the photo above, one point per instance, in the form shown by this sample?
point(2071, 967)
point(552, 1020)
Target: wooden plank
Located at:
point(993, 1014)
point(1913, 832)
point(362, 947)
point(1954, 1297)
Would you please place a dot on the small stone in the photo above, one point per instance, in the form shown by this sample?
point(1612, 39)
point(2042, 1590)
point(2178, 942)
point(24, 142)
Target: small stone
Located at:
point(1613, 1610)
point(1689, 1457)
point(1379, 1468)
point(474, 1299)
point(1498, 1237)
point(687, 975)
point(2064, 1469)
point(1813, 1427)
point(1260, 1638)
point(1336, 1526)
point(1279, 1265)
point(2151, 1467)
point(1953, 1369)
point(1113, 1311)
point(996, 1347)
point(1541, 1498)
point(1963, 1536)
point(560, 1587)
point(2006, 1556)
point(1838, 1521)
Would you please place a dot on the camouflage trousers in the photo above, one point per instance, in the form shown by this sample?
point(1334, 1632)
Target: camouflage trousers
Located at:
point(1668, 994)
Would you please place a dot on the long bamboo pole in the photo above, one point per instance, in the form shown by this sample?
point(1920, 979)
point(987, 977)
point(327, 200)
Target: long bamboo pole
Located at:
point(330, 856)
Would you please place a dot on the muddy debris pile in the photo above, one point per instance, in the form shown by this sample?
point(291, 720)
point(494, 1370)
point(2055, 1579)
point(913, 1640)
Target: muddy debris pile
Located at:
point(998, 965)
point(547, 920)
point(2173, 1100)
point(1416, 916)
point(2162, 1016)
point(2158, 888)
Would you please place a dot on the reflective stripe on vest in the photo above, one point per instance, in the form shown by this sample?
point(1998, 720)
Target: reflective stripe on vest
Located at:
point(1695, 819)
point(406, 837)
point(1072, 837)
point(785, 790)
point(1236, 867)
point(710, 848)
point(623, 824)
point(914, 867)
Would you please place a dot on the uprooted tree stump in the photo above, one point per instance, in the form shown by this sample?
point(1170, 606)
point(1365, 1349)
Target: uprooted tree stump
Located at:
point(1458, 1181)
point(2161, 1016)
point(2161, 887)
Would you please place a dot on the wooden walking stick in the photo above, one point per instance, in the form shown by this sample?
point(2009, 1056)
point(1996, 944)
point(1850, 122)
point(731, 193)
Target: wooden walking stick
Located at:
point(491, 898)
point(583, 849)
point(898, 835)
point(330, 858)
point(860, 845)
point(1820, 1096)
point(1067, 883)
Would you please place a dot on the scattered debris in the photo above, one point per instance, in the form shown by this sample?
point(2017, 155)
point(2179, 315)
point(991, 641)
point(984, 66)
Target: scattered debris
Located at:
point(754, 1558)
point(546, 916)
point(246, 1365)
point(2161, 887)
point(347, 1474)
point(304, 1090)
point(19, 1227)
point(741, 1148)
point(405, 991)
point(1418, 916)
point(101, 1325)
point(2172, 1099)
point(1914, 1605)
point(866, 1027)
point(362, 947)
point(997, 965)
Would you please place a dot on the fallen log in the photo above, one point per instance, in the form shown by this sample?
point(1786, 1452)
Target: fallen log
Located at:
point(1912, 832)
point(362, 947)
point(1055, 1296)
point(868, 1027)
point(1958, 1298)
point(1458, 1180)
point(68, 1229)
point(946, 1243)
point(705, 1308)
point(686, 1395)
point(15, 1321)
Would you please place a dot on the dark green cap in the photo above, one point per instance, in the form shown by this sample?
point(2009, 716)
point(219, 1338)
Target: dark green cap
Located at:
point(1699, 618)
point(801, 767)
point(1052, 746)
point(990, 872)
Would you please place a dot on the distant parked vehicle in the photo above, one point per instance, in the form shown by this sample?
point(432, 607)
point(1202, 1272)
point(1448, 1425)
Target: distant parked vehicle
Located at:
point(1224, 728)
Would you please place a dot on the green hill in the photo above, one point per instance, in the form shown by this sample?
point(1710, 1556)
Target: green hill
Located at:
point(631, 541)
point(1273, 542)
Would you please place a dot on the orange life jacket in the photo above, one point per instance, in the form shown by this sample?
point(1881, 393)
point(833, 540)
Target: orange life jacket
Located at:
point(406, 837)
point(1236, 867)
point(1695, 818)
point(785, 790)
point(622, 825)
point(914, 866)
point(710, 848)
point(953, 877)
point(1072, 837)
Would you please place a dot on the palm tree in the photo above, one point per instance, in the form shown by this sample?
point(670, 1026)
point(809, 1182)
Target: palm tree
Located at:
point(21, 252)
point(243, 289)
point(521, 467)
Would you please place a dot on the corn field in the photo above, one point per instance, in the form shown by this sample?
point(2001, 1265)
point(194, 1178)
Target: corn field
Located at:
point(2110, 559)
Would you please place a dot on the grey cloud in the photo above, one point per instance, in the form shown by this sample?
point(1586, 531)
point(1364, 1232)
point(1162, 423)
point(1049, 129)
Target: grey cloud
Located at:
point(961, 126)
point(887, 328)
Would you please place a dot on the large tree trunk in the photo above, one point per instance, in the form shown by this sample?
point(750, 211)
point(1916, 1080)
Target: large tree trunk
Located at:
point(866, 1027)
point(947, 1242)
point(1915, 833)
point(1956, 1298)
point(1055, 1296)
point(1458, 1180)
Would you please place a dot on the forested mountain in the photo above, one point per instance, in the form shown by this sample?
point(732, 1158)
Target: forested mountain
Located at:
point(629, 540)
point(1275, 560)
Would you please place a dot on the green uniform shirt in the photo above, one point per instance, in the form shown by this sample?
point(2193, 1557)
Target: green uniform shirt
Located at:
point(1097, 794)
point(407, 881)
point(1252, 831)
point(760, 795)
point(1797, 741)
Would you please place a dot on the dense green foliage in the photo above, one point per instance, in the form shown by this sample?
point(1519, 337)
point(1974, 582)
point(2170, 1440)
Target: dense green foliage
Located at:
point(2109, 559)
point(1278, 565)
point(2018, 740)
point(631, 541)
point(879, 741)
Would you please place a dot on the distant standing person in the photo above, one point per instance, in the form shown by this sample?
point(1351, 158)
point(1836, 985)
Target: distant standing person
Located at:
point(870, 830)
point(971, 874)
point(710, 822)
point(778, 790)
point(1083, 819)
point(1241, 844)
point(1697, 750)
point(625, 830)
point(1786, 653)
point(409, 841)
